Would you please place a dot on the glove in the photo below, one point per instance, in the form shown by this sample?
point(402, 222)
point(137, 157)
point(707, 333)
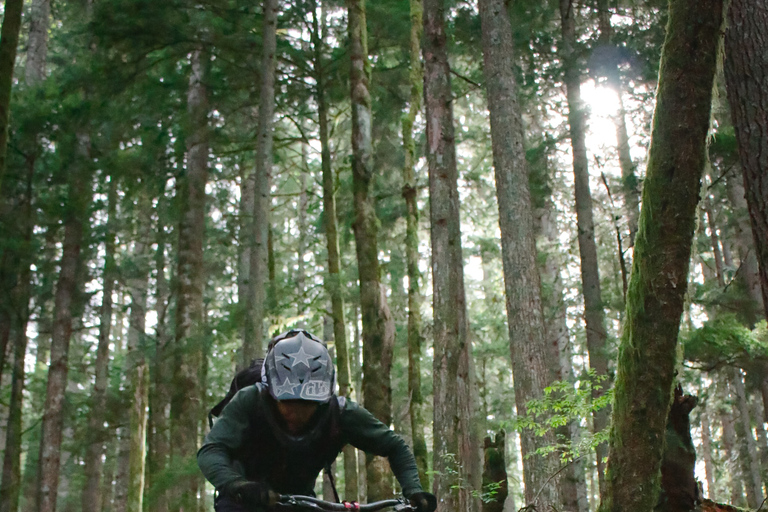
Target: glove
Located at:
point(423, 501)
point(253, 495)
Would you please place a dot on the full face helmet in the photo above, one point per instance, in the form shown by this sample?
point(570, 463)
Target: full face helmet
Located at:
point(299, 367)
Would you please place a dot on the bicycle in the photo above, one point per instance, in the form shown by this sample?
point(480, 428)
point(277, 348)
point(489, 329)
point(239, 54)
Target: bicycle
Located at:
point(310, 504)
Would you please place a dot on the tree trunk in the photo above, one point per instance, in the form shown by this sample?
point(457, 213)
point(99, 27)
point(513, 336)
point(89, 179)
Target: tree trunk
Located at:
point(452, 347)
point(330, 223)
point(256, 305)
point(495, 482)
point(594, 317)
point(745, 244)
point(159, 399)
point(746, 77)
point(245, 285)
point(37, 42)
point(136, 365)
point(415, 336)
point(748, 446)
point(96, 433)
point(9, 40)
point(378, 339)
point(11, 477)
point(528, 346)
point(573, 485)
point(658, 283)
point(189, 340)
point(67, 290)
point(706, 448)
point(714, 239)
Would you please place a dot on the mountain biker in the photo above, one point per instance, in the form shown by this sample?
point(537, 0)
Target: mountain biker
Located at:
point(276, 436)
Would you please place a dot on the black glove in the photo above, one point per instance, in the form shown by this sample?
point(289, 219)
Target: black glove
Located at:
point(423, 501)
point(253, 495)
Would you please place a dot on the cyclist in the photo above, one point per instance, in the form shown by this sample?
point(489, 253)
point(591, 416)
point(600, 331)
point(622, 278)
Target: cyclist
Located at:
point(276, 436)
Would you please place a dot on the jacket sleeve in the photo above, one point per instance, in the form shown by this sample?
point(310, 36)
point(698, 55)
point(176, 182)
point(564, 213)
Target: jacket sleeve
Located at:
point(226, 438)
point(363, 431)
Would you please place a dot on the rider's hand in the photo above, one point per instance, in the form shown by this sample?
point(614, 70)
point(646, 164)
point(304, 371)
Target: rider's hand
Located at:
point(254, 495)
point(423, 501)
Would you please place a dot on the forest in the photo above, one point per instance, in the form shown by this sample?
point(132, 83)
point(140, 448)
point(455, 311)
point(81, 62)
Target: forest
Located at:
point(533, 234)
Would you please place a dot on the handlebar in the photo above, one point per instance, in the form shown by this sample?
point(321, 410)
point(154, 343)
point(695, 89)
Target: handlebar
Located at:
point(314, 504)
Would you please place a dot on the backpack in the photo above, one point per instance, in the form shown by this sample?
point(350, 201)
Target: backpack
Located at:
point(244, 378)
point(252, 375)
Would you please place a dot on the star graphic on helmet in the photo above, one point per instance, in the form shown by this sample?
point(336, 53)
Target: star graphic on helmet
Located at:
point(300, 357)
point(286, 388)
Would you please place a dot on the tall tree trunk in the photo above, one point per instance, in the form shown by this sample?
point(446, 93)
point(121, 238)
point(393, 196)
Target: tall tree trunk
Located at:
point(528, 345)
point(410, 193)
point(452, 347)
point(573, 485)
point(11, 477)
point(658, 283)
point(378, 339)
point(37, 42)
point(748, 446)
point(159, 399)
point(96, 433)
point(259, 272)
point(136, 364)
point(731, 455)
point(67, 289)
point(706, 453)
point(245, 285)
point(746, 77)
point(594, 317)
point(714, 239)
point(9, 40)
point(330, 223)
point(189, 340)
point(745, 244)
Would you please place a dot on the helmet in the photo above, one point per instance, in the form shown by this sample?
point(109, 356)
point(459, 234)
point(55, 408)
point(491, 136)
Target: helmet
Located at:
point(299, 367)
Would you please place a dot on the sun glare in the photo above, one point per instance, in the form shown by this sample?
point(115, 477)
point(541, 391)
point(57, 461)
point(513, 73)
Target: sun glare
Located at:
point(603, 104)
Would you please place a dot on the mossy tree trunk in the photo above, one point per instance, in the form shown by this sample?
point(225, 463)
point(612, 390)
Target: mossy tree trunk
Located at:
point(415, 300)
point(378, 339)
point(594, 317)
point(658, 283)
point(746, 76)
point(528, 345)
point(451, 340)
point(186, 409)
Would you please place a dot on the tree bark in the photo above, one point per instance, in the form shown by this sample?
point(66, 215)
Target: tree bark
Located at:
point(528, 345)
point(259, 271)
point(136, 364)
point(159, 398)
point(573, 485)
point(330, 223)
point(706, 449)
point(452, 347)
point(415, 300)
point(9, 40)
point(20, 297)
point(746, 77)
point(189, 340)
point(658, 283)
point(745, 245)
point(748, 446)
point(67, 289)
point(91, 499)
point(378, 339)
point(37, 42)
point(594, 316)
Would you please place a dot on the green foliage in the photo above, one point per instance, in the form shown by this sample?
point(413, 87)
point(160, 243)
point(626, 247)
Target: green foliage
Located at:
point(726, 341)
point(563, 403)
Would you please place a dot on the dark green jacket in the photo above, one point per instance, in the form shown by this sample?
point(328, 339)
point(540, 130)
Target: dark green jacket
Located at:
point(243, 443)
